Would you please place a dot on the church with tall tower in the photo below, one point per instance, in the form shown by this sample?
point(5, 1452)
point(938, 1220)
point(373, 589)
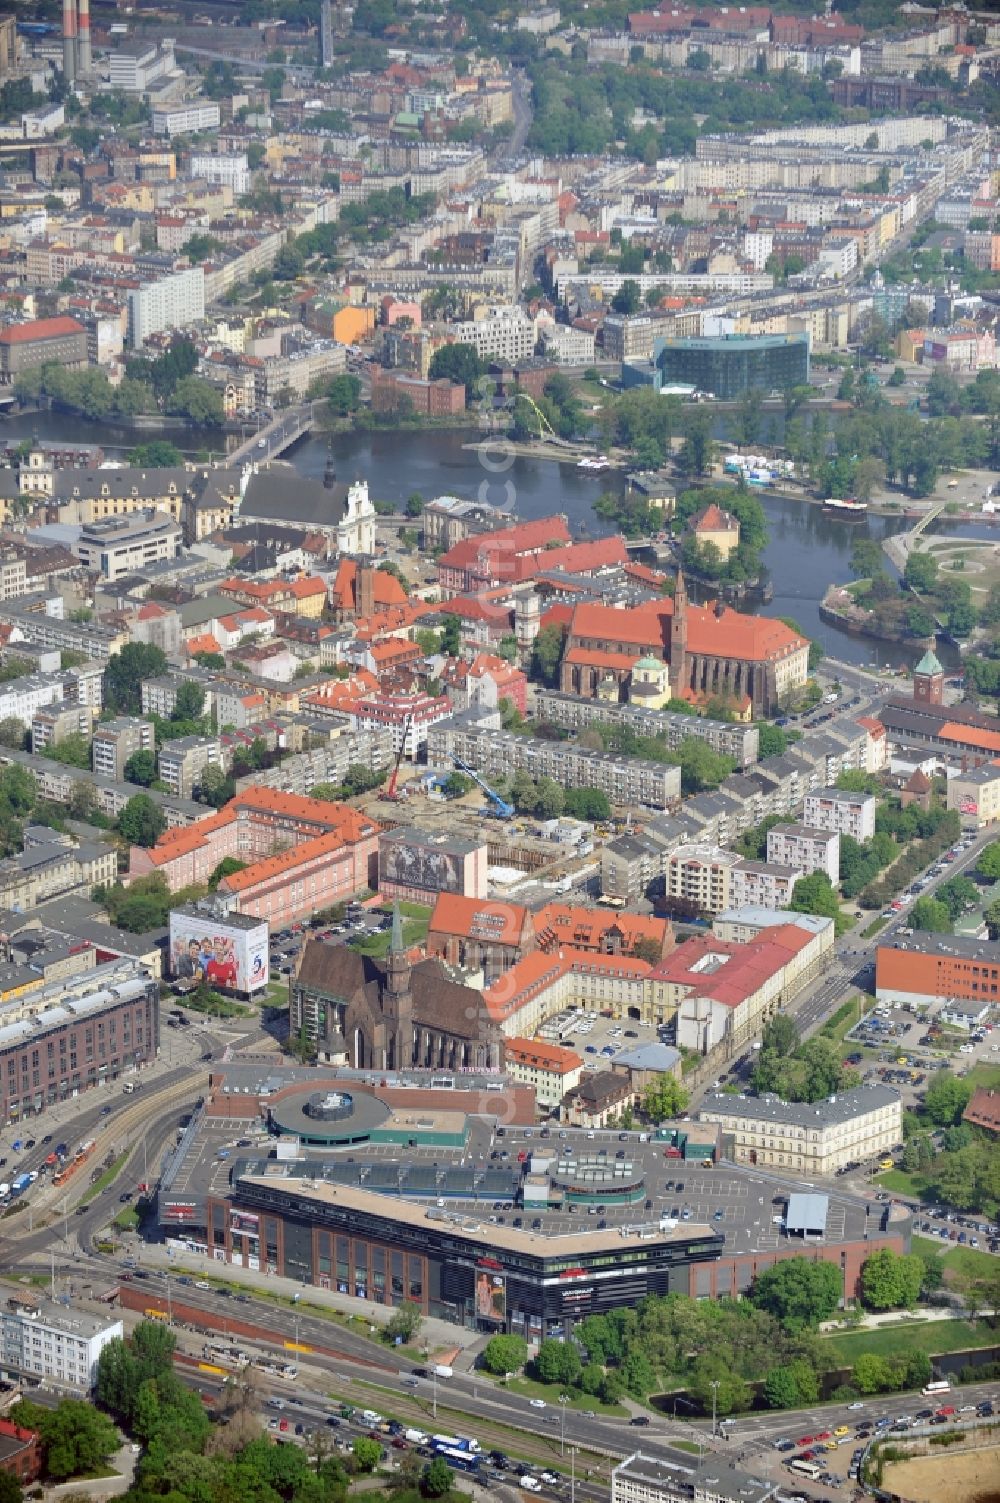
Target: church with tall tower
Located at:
point(392, 1014)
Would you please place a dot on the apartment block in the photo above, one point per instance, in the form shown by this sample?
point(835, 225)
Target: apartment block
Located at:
point(627, 781)
point(806, 849)
point(51, 866)
point(549, 1069)
point(761, 884)
point(835, 809)
point(700, 877)
point(51, 724)
point(182, 762)
point(115, 741)
point(170, 302)
point(571, 712)
point(186, 119)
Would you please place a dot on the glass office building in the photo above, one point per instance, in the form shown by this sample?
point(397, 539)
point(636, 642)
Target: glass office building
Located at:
point(729, 366)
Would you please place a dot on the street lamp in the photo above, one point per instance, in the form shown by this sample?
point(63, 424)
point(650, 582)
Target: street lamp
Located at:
point(563, 1401)
point(715, 1394)
point(572, 1474)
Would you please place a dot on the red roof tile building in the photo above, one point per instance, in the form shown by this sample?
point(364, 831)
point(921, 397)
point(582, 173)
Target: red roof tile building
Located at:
point(43, 341)
point(486, 560)
point(710, 650)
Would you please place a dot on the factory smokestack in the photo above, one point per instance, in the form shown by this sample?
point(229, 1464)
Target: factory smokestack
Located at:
point(83, 44)
point(69, 40)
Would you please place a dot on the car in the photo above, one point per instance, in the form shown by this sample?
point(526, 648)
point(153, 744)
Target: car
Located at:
point(858, 1405)
point(785, 1445)
point(639, 1419)
point(125, 1197)
point(537, 1403)
point(825, 1435)
point(946, 1411)
point(805, 1440)
point(938, 1419)
point(105, 1112)
point(842, 1430)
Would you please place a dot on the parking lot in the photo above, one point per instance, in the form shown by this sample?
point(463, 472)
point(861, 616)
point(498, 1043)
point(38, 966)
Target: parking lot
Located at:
point(597, 1038)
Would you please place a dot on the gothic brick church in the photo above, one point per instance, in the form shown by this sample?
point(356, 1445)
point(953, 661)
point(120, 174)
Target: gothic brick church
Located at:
point(710, 650)
point(390, 1014)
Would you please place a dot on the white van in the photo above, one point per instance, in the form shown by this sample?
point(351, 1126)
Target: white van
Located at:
point(531, 1484)
point(129, 1088)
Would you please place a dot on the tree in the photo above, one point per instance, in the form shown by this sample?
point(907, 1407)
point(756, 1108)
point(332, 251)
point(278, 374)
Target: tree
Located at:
point(344, 395)
point(436, 1479)
point(790, 1385)
point(732, 1392)
point(958, 895)
point(405, 1322)
point(988, 864)
point(215, 787)
point(931, 915)
point(698, 448)
point(549, 799)
point(866, 558)
point(628, 299)
point(557, 1362)
point(663, 1098)
point(10, 1488)
point(921, 572)
point(12, 733)
point(189, 701)
point(872, 1374)
point(546, 655)
point(991, 916)
point(158, 454)
point(123, 677)
point(77, 1437)
point(890, 1281)
point(459, 363)
point(815, 894)
point(227, 867)
point(198, 401)
point(946, 1099)
point(798, 1292)
point(210, 659)
point(141, 822)
point(451, 635)
point(367, 1454)
point(502, 1354)
point(141, 768)
point(780, 1035)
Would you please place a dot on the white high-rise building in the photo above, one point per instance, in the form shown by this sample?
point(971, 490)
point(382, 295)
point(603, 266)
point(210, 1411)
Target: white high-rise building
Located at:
point(231, 169)
point(49, 1341)
point(170, 302)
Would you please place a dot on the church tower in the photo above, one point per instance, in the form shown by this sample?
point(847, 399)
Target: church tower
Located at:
point(678, 638)
point(397, 1000)
point(928, 680)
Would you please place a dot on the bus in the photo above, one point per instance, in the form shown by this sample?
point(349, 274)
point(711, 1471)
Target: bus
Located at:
point(460, 1461)
point(806, 1469)
point(155, 1315)
point(933, 1389)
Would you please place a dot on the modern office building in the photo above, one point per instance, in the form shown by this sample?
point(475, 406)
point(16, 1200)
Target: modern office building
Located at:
point(118, 546)
point(230, 169)
point(732, 365)
point(186, 119)
point(937, 968)
point(810, 1140)
point(659, 1479)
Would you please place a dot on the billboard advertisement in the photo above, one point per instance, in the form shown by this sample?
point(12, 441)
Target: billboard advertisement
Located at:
point(419, 865)
point(491, 1297)
point(223, 955)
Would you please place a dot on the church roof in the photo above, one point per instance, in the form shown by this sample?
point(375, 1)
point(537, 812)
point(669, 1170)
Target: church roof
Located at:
point(928, 664)
point(651, 664)
point(438, 1003)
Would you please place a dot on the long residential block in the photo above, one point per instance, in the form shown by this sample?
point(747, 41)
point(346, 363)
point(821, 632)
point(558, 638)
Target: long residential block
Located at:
point(568, 711)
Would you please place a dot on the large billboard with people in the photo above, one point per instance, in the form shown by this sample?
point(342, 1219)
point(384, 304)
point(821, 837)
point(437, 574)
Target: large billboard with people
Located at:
point(223, 953)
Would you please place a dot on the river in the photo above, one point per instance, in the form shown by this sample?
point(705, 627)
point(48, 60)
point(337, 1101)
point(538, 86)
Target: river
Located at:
point(806, 552)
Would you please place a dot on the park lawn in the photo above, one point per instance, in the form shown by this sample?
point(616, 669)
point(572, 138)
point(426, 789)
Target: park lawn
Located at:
point(550, 1393)
point(903, 1182)
point(985, 1074)
point(934, 1337)
point(414, 933)
point(967, 1262)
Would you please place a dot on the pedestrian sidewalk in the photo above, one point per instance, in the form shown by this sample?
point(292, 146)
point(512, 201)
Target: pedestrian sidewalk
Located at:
point(437, 1335)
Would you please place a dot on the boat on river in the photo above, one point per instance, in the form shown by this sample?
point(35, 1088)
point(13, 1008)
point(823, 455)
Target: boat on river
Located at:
point(849, 510)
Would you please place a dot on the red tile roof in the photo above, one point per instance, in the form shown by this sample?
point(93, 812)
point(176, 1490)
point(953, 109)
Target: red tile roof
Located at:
point(532, 1052)
point(970, 735)
point(40, 328)
point(476, 918)
point(745, 967)
point(527, 537)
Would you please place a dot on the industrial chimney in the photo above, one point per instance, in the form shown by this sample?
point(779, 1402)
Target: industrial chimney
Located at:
point(83, 45)
point(69, 40)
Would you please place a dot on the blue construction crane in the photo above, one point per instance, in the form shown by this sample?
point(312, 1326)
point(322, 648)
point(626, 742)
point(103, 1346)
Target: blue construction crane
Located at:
point(501, 809)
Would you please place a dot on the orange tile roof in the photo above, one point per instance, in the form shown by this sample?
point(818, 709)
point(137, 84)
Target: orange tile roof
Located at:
point(477, 918)
point(386, 588)
point(297, 806)
point(545, 1056)
point(304, 589)
point(597, 659)
point(528, 537)
point(40, 328)
point(203, 643)
point(970, 735)
point(183, 839)
point(586, 927)
point(723, 634)
point(541, 969)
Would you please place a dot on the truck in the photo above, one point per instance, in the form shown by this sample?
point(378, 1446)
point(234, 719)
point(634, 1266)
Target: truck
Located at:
point(442, 1370)
point(416, 1437)
point(20, 1183)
